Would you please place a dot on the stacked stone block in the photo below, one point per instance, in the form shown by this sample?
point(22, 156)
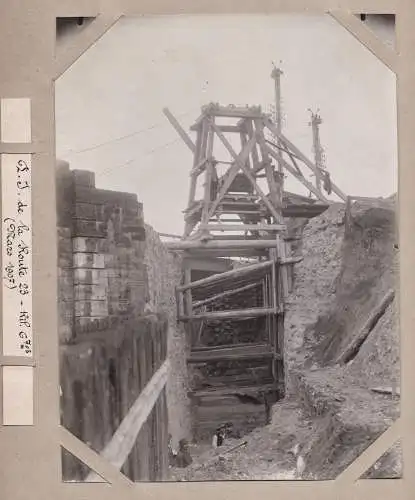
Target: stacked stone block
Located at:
point(102, 273)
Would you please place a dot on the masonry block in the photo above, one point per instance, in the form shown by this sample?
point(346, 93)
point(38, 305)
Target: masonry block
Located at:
point(103, 196)
point(90, 292)
point(89, 276)
point(84, 178)
point(89, 260)
point(91, 308)
point(89, 228)
point(88, 211)
point(90, 245)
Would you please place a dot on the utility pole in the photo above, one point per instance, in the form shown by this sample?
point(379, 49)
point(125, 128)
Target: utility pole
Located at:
point(276, 76)
point(315, 123)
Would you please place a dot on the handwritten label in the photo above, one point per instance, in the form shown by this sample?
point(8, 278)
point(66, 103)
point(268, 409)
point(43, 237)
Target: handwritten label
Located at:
point(17, 254)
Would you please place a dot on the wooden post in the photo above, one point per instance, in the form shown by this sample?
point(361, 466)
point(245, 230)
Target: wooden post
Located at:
point(276, 189)
point(232, 171)
point(209, 174)
point(284, 270)
point(318, 152)
point(254, 153)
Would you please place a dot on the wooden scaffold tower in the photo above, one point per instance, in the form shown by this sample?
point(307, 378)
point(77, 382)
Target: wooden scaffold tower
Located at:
point(241, 213)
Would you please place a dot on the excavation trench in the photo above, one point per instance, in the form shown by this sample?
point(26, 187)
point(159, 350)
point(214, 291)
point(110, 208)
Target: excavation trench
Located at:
point(341, 345)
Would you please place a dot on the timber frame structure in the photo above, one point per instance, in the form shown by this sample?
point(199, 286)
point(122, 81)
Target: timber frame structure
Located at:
point(242, 213)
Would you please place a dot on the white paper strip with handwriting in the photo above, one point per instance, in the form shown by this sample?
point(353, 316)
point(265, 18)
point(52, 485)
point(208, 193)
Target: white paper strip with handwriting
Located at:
point(16, 212)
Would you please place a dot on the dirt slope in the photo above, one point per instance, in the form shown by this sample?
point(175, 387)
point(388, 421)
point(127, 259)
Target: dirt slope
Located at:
point(331, 411)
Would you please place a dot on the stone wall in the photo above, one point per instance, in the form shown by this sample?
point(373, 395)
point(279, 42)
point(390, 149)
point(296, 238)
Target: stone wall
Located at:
point(164, 271)
point(102, 273)
point(110, 266)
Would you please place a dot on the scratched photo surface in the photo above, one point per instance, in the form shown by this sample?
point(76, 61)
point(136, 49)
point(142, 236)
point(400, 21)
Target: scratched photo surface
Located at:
point(228, 250)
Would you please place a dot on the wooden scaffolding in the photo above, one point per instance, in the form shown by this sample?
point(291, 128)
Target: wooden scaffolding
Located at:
point(241, 212)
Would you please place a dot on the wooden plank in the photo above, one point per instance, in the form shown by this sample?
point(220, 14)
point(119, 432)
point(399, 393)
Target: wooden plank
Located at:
point(240, 271)
point(118, 449)
point(221, 245)
point(246, 389)
point(214, 265)
point(366, 198)
point(373, 318)
point(224, 294)
point(164, 472)
point(168, 235)
point(231, 353)
point(245, 227)
point(247, 253)
point(179, 129)
point(234, 111)
point(237, 313)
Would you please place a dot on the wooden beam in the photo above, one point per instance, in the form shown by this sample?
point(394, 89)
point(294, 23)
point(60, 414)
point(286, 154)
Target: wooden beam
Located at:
point(224, 128)
point(248, 174)
point(224, 294)
point(268, 123)
point(245, 227)
point(230, 391)
point(234, 111)
point(276, 189)
point(251, 133)
point(220, 245)
point(118, 449)
point(232, 171)
point(224, 253)
point(209, 173)
point(233, 314)
point(299, 177)
point(188, 301)
point(179, 129)
point(373, 318)
point(213, 264)
point(199, 168)
point(167, 235)
point(234, 352)
point(238, 272)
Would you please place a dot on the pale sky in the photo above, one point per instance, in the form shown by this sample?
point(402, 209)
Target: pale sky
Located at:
point(120, 86)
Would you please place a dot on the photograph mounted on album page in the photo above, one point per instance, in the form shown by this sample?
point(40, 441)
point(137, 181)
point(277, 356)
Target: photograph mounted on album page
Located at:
point(228, 254)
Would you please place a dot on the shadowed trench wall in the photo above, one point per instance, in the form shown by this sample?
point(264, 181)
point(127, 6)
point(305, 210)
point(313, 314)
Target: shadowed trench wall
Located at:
point(110, 266)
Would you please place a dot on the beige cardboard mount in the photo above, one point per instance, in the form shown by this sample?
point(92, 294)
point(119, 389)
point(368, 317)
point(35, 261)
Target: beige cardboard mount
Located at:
point(31, 454)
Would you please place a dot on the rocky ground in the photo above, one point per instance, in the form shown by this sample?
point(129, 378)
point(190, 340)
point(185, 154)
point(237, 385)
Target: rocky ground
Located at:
point(333, 409)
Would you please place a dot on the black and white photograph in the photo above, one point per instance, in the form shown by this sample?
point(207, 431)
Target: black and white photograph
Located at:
point(228, 251)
